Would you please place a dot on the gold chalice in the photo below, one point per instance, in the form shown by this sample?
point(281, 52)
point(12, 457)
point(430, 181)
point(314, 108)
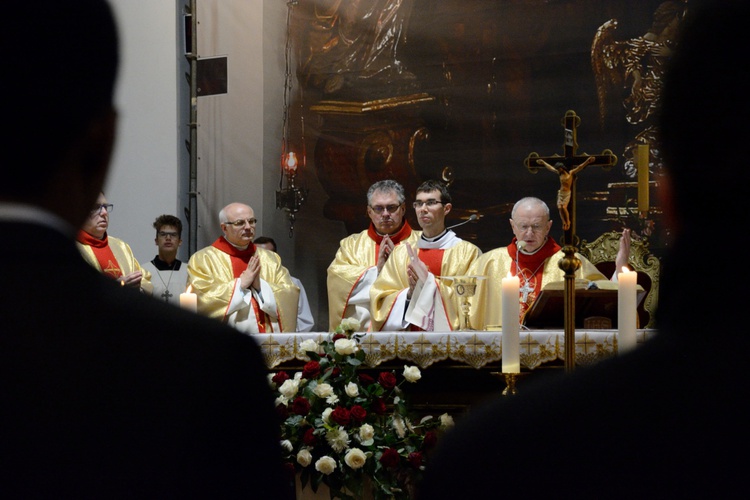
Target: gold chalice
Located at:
point(465, 287)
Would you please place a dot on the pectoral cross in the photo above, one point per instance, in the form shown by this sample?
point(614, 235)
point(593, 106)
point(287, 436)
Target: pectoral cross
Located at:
point(526, 290)
point(606, 159)
point(166, 295)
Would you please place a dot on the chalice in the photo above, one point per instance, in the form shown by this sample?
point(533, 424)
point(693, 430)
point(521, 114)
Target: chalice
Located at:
point(465, 287)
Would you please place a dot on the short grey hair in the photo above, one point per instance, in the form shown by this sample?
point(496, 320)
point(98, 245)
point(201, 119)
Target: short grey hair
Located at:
point(387, 186)
point(529, 200)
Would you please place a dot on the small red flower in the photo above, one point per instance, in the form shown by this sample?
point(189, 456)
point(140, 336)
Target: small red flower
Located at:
point(282, 411)
point(300, 406)
point(341, 416)
point(289, 471)
point(390, 458)
point(387, 380)
point(280, 377)
point(311, 370)
point(415, 459)
point(336, 372)
point(339, 336)
point(430, 440)
point(365, 379)
point(378, 406)
point(358, 413)
point(309, 438)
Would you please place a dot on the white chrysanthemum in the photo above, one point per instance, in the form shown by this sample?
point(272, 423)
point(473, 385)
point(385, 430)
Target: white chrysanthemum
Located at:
point(338, 439)
point(289, 388)
point(332, 399)
point(304, 457)
point(398, 426)
point(352, 390)
point(323, 390)
point(325, 464)
point(355, 458)
point(287, 445)
point(281, 400)
point(412, 373)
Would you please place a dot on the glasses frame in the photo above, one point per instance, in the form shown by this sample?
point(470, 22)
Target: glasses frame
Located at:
point(428, 203)
point(98, 208)
point(379, 209)
point(239, 223)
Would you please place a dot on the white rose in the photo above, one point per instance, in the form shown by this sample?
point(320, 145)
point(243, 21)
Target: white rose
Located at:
point(345, 346)
point(308, 345)
point(325, 464)
point(352, 390)
point(287, 445)
point(355, 458)
point(366, 433)
point(412, 373)
point(323, 390)
point(350, 324)
point(304, 457)
point(446, 421)
point(270, 380)
point(326, 413)
point(281, 400)
point(289, 388)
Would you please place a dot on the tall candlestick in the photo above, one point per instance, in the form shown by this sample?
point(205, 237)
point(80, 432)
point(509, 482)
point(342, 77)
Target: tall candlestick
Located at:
point(626, 310)
point(642, 166)
point(511, 309)
point(189, 300)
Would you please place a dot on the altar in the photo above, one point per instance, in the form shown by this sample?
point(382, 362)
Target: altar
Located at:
point(460, 368)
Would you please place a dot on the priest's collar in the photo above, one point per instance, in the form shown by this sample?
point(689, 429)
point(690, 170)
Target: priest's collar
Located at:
point(444, 240)
point(163, 266)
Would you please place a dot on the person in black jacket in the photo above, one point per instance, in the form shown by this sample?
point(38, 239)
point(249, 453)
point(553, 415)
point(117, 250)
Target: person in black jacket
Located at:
point(668, 419)
point(104, 392)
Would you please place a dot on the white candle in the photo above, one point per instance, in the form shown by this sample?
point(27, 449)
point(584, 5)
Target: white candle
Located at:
point(511, 311)
point(189, 301)
point(626, 310)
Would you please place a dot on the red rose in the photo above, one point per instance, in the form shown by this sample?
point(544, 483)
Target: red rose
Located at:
point(378, 406)
point(309, 438)
point(430, 440)
point(358, 413)
point(365, 379)
point(415, 459)
point(289, 471)
point(311, 370)
point(390, 458)
point(387, 380)
point(341, 416)
point(339, 336)
point(280, 377)
point(335, 372)
point(282, 411)
point(300, 406)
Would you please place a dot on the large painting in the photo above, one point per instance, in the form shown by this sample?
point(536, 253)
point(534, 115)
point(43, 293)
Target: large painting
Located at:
point(465, 90)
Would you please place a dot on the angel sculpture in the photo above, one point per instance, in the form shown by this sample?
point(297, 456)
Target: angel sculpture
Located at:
point(636, 66)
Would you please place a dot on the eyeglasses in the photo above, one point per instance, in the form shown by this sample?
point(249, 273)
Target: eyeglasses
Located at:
point(429, 203)
point(379, 209)
point(535, 228)
point(169, 234)
point(242, 222)
point(98, 208)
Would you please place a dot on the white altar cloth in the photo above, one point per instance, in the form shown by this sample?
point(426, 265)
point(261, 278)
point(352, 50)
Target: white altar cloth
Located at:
point(473, 348)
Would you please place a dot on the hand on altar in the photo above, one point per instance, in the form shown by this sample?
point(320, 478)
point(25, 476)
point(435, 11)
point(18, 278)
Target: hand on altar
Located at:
point(251, 275)
point(386, 247)
point(133, 279)
point(624, 251)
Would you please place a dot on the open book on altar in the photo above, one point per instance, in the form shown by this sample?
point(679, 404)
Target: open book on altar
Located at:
point(592, 299)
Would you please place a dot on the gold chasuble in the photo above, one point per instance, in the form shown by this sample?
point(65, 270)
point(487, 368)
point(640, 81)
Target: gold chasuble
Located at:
point(353, 271)
point(535, 271)
point(434, 305)
point(214, 271)
point(112, 257)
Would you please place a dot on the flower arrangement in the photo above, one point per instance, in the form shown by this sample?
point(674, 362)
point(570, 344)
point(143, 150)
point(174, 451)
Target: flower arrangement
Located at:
point(348, 429)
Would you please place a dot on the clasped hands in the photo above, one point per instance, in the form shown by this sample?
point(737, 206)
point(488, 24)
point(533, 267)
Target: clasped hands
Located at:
point(250, 277)
point(416, 270)
point(386, 247)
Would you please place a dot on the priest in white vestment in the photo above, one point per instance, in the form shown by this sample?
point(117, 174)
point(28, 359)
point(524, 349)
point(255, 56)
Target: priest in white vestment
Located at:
point(361, 256)
point(409, 294)
point(244, 286)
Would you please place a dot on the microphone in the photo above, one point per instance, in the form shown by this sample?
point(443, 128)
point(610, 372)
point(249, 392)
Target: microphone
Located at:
point(472, 218)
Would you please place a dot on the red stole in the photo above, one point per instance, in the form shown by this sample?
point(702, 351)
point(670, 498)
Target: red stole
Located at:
point(239, 259)
point(103, 254)
point(397, 237)
point(531, 269)
point(433, 259)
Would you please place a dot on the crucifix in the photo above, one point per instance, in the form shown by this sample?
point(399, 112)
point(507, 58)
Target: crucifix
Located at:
point(166, 295)
point(568, 167)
